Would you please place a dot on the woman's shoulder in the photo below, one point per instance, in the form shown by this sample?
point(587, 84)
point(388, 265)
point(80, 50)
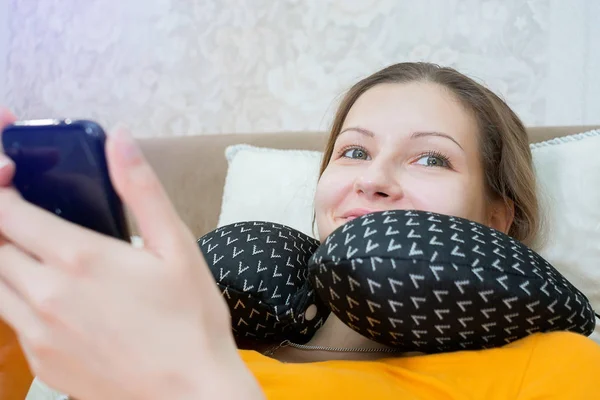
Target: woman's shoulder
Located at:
point(569, 342)
point(574, 351)
point(561, 365)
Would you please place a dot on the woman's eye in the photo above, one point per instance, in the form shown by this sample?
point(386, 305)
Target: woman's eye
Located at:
point(433, 161)
point(356, 153)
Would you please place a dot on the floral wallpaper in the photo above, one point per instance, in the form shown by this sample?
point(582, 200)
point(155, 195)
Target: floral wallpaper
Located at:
point(182, 67)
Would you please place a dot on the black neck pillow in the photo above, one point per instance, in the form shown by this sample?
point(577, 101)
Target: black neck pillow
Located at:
point(414, 280)
point(421, 281)
point(262, 271)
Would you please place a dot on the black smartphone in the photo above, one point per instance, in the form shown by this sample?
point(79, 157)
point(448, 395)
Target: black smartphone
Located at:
point(61, 167)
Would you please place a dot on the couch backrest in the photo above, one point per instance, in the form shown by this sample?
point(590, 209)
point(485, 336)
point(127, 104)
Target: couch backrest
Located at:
point(193, 168)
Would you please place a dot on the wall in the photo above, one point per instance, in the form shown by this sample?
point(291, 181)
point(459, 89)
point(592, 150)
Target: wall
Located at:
point(573, 82)
point(169, 67)
point(4, 39)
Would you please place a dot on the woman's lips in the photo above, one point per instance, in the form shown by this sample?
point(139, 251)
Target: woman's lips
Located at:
point(355, 213)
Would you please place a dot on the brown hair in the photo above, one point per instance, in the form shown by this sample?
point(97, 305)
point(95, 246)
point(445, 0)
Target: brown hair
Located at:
point(504, 144)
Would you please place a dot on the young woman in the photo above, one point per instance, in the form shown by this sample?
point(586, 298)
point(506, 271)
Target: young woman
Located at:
point(148, 323)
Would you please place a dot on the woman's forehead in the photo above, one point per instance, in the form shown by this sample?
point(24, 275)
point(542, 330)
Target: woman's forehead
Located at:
point(409, 108)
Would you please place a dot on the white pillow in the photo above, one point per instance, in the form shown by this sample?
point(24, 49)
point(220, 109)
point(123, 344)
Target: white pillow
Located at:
point(278, 186)
point(568, 172)
point(270, 185)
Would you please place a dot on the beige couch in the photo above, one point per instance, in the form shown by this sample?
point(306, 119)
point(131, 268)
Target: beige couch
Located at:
point(193, 171)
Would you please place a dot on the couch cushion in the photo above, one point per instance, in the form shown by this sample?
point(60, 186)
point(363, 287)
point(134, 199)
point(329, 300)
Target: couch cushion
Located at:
point(15, 375)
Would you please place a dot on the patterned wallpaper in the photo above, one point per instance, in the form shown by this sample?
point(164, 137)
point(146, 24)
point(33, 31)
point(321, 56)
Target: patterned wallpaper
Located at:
point(167, 67)
point(4, 34)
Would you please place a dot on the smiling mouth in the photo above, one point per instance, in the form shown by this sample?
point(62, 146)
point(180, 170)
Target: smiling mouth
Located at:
point(355, 213)
point(349, 218)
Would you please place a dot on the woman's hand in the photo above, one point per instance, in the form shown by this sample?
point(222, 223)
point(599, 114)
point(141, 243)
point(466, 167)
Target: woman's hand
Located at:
point(100, 319)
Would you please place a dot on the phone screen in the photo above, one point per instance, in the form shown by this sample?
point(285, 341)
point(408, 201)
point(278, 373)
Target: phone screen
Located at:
point(61, 167)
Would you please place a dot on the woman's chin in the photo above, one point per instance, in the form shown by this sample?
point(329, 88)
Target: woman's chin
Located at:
point(341, 221)
point(334, 223)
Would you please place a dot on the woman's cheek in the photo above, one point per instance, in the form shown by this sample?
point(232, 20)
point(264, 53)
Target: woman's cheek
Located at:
point(444, 196)
point(334, 184)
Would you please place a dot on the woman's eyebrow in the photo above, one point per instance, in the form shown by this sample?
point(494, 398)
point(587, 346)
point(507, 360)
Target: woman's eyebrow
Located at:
point(358, 129)
point(414, 135)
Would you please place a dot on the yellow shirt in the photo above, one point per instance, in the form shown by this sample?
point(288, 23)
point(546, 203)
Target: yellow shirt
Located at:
point(558, 365)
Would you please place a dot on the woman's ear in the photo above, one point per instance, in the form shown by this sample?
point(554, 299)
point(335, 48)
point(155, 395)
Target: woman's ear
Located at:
point(502, 215)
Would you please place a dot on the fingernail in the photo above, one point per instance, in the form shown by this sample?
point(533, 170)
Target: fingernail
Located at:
point(127, 146)
point(4, 161)
point(118, 127)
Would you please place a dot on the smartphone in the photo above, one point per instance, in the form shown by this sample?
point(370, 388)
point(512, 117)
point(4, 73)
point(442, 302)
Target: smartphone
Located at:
point(61, 167)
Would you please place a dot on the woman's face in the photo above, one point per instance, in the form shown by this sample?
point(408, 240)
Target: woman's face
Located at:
point(405, 146)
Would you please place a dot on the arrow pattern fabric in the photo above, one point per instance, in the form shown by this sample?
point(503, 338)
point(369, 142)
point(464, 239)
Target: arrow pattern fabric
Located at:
point(262, 271)
point(427, 282)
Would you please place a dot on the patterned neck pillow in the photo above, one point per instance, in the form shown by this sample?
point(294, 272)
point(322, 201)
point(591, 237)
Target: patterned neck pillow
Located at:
point(421, 281)
point(262, 271)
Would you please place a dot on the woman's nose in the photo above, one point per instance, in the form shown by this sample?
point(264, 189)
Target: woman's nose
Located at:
point(376, 183)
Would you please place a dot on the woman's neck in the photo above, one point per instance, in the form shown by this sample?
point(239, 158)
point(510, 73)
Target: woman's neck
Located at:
point(333, 333)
